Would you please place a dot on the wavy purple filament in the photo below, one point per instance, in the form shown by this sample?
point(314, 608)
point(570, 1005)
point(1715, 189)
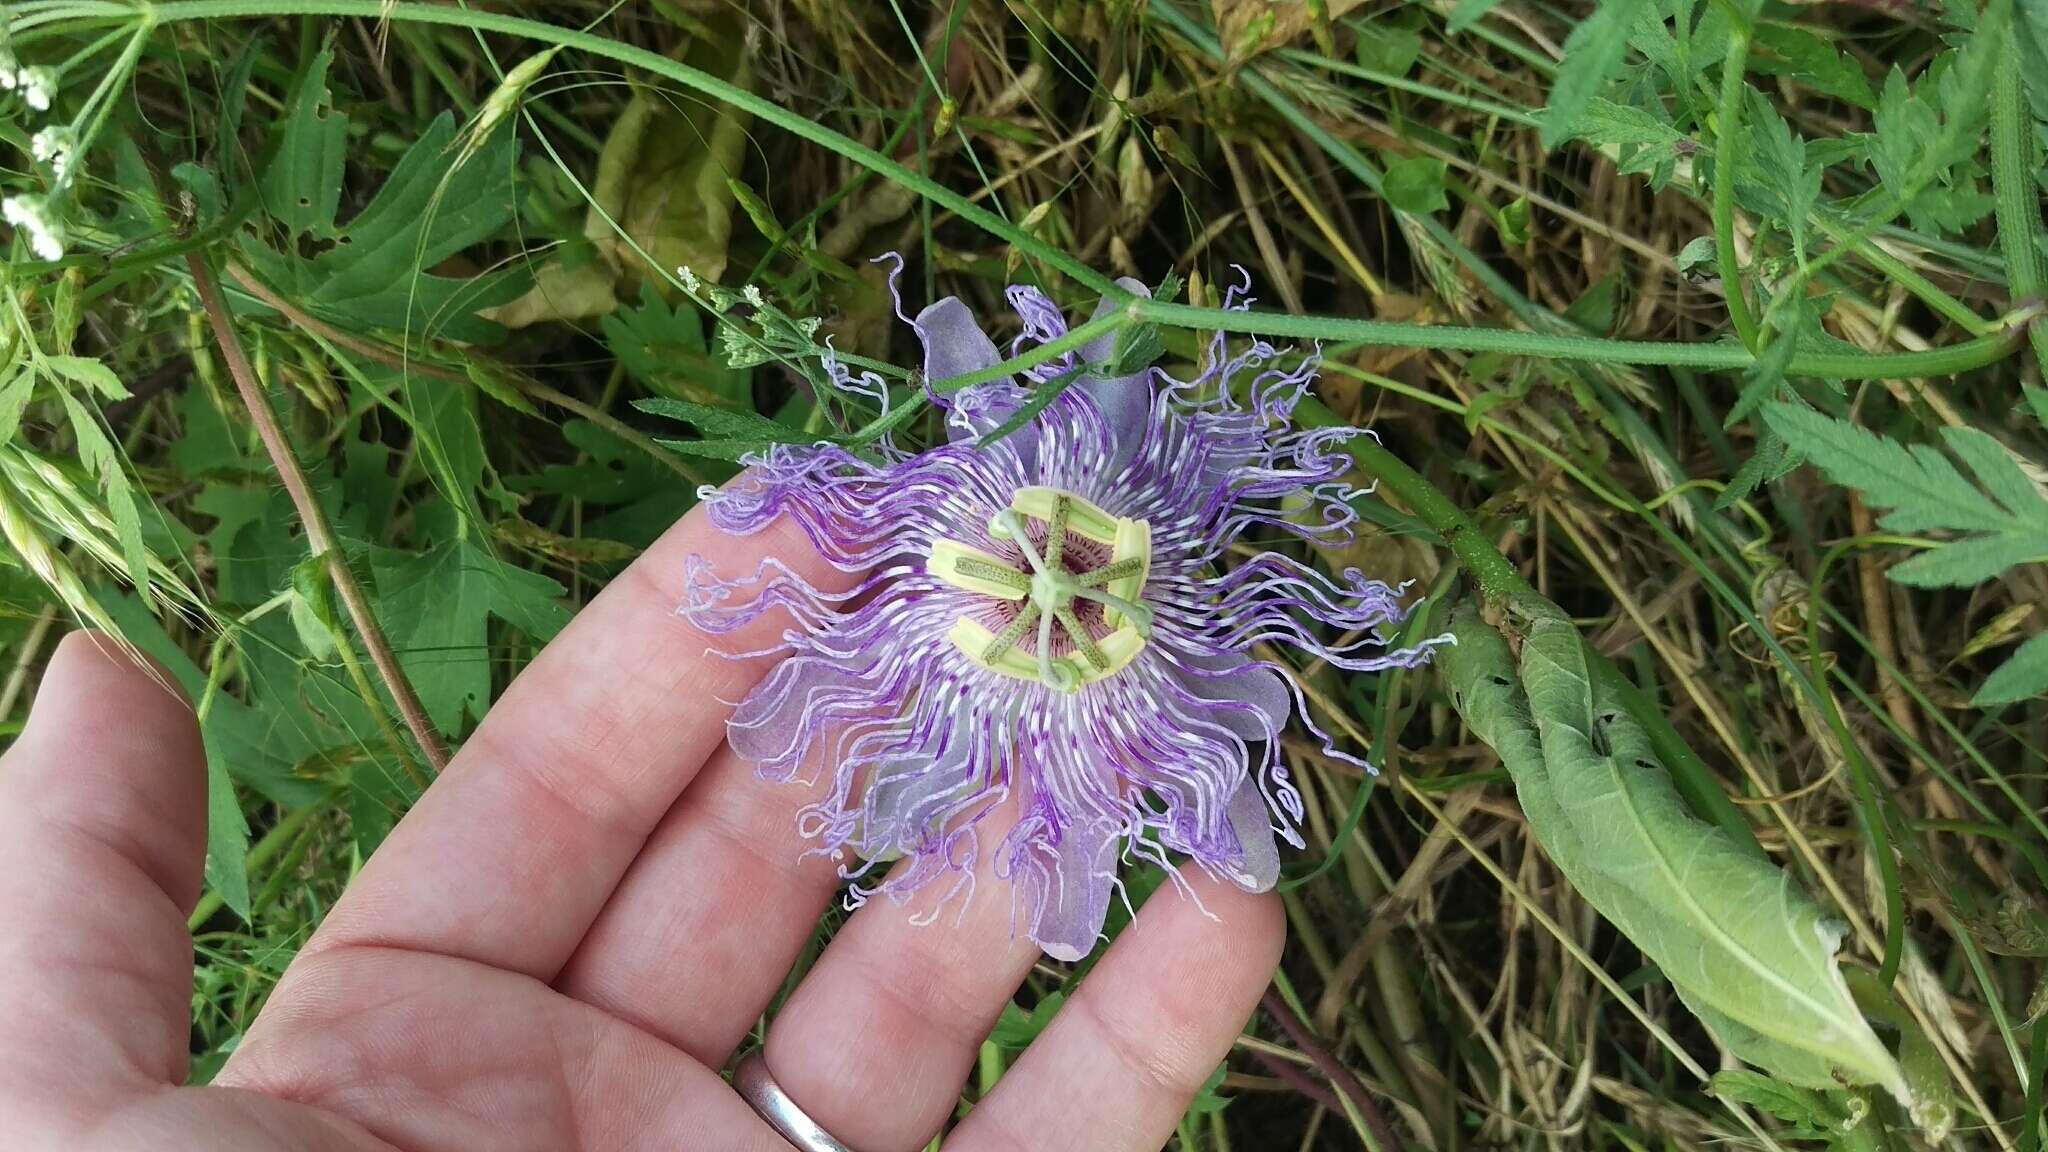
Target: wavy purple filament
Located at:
point(1176, 753)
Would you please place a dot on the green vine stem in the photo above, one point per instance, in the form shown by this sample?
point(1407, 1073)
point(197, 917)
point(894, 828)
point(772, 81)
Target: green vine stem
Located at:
point(1727, 146)
point(1711, 356)
point(1500, 584)
point(2013, 170)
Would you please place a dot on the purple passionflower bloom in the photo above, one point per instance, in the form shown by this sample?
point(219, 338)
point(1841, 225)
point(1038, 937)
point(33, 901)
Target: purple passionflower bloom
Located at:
point(1058, 623)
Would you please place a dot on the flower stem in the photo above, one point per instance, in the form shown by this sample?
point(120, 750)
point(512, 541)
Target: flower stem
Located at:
point(1727, 146)
point(2013, 165)
point(319, 533)
point(1728, 357)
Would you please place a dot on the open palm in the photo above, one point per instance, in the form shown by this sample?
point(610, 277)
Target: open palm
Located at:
point(564, 941)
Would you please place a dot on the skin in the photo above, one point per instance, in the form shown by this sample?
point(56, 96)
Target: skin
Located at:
point(565, 940)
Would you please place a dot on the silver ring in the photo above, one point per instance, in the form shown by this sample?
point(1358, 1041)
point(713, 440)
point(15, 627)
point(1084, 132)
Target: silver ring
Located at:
point(759, 1089)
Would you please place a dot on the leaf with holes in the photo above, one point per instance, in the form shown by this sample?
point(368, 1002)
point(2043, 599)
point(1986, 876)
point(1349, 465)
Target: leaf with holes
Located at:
point(1746, 949)
point(371, 272)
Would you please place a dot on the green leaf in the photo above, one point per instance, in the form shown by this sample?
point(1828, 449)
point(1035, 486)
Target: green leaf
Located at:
point(2007, 518)
point(1642, 140)
point(15, 393)
point(640, 494)
point(1790, 184)
point(437, 607)
point(370, 273)
point(89, 373)
point(1698, 255)
point(1772, 461)
point(1467, 13)
point(444, 421)
point(312, 607)
point(667, 349)
point(1747, 950)
point(1136, 348)
point(1385, 46)
point(2023, 676)
point(714, 449)
point(2031, 26)
point(2037, 399)
point(301, 186)
point(726, 423)
point(1016, 1028)
point(1591, 54)
point(1812, 1114)
point(227, 839)
point(379, 792)
point(1416, 184)
point(1781, 50)
point(1766, 381)
point(97, 453)
point(1970, 561)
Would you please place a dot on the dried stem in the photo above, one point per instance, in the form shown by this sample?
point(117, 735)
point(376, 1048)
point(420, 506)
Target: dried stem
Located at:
point(1341, 1078)
point(319, 534)
point(392, 358)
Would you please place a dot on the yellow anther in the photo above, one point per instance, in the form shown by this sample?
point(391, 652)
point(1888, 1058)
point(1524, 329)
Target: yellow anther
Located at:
point(1049, 591)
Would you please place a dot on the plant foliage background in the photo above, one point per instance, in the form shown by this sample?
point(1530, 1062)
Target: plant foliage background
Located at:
point(1702, 337)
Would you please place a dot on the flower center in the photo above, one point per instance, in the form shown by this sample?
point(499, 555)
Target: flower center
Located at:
point(1047, 589)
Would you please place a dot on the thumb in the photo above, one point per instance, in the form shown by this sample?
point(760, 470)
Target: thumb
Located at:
point(102, 838)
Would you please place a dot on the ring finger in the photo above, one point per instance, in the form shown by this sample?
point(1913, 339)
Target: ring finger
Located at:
point(877, 1040)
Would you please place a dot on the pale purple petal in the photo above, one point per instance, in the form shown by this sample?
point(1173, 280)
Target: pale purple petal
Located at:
point(914, 744)
point(1075, 901)
point(1124, 401)
point(1257, 868)
point(1254, 696)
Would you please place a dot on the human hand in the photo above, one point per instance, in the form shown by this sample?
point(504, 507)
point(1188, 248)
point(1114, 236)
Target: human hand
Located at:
point(564, 941)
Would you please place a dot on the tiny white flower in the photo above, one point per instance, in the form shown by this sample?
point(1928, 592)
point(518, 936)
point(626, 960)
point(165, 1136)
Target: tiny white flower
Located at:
point(31, 214)
point(753, 296)
point(57, 147)
point(688, 278)
point(38, 87)
point(9, 68)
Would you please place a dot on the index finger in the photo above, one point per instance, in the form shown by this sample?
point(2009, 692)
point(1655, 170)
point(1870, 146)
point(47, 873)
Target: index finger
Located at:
point(511, 854)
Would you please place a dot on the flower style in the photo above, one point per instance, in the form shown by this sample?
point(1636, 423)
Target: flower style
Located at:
point(1053, 624)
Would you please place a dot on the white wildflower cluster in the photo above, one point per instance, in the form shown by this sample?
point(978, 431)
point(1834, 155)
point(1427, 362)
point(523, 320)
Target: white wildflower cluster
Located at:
point(56, 146)
point(32, 215)
point(751, 328)
point(38, 86)
point(36, 217)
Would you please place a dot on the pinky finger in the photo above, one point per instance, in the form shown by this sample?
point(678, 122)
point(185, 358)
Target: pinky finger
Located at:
point(1126, 1055)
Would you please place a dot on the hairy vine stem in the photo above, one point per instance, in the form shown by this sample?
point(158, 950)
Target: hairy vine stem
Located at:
point(1953, 358)
point(319, 533)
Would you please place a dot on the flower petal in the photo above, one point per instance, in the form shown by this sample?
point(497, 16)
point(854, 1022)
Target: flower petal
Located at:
point(954, 345)
point(1073, 906)
point(908, 800)
point(775, 724)
point(1259, 867)
point(1256, 698)
point(1125, 401)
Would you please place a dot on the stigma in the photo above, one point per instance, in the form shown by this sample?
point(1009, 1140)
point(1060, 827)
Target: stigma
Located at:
point(1082, 559)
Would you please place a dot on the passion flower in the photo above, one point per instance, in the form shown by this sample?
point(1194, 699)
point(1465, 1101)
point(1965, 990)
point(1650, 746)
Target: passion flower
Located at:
point(1057, 622)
